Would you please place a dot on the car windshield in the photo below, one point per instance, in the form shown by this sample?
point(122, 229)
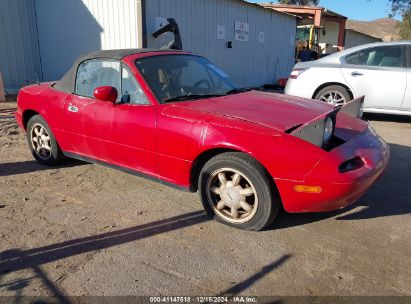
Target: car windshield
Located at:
point(184, 77)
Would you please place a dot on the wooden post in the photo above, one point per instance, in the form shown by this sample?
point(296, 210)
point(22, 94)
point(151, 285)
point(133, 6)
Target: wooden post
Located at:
point(317, 17)
point(341, 35)
point(2, 95)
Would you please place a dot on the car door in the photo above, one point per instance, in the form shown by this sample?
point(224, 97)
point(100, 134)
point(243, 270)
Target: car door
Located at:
point(406, 105)
point(121, 134)
point(133, 127)
point(379, 73)
point(87, 119)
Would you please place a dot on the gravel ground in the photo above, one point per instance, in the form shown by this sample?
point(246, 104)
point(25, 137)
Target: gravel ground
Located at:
point(84, 229)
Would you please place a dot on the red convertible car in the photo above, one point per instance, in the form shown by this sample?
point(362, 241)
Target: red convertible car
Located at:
point(178, 119)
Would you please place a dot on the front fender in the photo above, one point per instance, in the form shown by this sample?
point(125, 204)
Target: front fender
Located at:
point(284, 156)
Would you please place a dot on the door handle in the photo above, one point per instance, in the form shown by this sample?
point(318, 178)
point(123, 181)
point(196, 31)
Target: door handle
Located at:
point(355, 73)
point(72, 109)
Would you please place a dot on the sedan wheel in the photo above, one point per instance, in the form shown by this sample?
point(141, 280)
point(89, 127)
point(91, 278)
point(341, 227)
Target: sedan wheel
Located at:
point(333, 97)
point(336, 95)
point(233, 196)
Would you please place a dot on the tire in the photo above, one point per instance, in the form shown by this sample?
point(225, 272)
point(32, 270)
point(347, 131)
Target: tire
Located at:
point(334, 90)
point(220, 199)
point(39, 134)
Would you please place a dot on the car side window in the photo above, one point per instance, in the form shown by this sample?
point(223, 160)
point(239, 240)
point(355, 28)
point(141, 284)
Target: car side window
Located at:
point(386, 56)
point(352, 58)
point(131, 91)
point(95, 73)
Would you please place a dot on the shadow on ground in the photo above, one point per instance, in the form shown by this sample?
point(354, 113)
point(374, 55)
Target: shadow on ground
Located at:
point(8, 169)
point(386, 117)
point(16, 259)
point(241, 286)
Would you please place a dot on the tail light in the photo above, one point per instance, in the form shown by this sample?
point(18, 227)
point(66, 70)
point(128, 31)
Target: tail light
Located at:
point(282, 82)
point(297, 72)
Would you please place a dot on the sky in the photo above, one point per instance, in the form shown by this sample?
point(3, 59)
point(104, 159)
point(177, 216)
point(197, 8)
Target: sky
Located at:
point(355, 9)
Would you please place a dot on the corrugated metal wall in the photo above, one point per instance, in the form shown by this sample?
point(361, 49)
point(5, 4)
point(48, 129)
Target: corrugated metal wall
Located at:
point(68, 29)
point(64, 29)
point(19, 53)
point(249, 63)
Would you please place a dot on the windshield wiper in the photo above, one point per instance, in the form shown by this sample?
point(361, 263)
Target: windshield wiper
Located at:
point(237, 91)
point(192, 96)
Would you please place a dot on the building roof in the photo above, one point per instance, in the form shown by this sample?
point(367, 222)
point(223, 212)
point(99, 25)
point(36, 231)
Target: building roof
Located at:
point(384, 28)
point(292, 9)
point(362, 33)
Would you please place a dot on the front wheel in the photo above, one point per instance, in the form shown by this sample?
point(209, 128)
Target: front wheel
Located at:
point(42, 143)
point(237, 191)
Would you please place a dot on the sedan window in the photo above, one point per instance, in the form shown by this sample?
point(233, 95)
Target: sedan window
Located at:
point(352, 58)
point(390, 56)
point(92, 74)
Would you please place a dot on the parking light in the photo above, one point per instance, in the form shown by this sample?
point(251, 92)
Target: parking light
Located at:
point(307, 189)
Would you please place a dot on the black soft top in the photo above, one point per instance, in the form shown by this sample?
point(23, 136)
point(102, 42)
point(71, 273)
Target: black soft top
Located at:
point(68, 82)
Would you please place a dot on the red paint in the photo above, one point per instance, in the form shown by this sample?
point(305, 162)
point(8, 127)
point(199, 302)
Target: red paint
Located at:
point(106, 93)
point(164, 140)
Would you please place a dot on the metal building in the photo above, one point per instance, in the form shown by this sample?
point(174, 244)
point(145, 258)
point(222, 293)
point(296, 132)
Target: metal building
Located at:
point(354, 38)
point(41, 38)
point(19, 49)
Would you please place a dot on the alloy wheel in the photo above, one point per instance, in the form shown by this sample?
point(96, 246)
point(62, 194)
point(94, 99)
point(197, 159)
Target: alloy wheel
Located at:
point(232, 195)
point(40, 141)
point(333, 97)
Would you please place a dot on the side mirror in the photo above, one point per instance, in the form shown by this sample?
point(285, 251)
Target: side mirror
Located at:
point(106, 93)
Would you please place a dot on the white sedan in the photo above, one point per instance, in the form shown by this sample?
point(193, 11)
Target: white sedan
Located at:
point(379, 71)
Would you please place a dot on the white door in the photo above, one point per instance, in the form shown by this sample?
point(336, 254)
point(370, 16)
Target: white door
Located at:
point(379, 73)
point(406, 105)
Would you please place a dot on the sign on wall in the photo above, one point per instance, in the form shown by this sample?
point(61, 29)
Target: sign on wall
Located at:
point(241, 31)
point(220, 32)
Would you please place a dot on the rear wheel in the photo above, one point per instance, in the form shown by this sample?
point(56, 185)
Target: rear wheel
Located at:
point(42, 143)
point(334, 94)
point(237, 191)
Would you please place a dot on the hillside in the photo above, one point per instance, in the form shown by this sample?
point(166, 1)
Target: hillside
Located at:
point(384, 28)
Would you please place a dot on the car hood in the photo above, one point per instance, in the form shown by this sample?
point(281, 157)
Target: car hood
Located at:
point(277, 111)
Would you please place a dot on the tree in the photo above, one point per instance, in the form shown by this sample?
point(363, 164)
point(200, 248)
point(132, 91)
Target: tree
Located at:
point(400, 7)
point(300, 2)
point(403, 8)
point(405, 26)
